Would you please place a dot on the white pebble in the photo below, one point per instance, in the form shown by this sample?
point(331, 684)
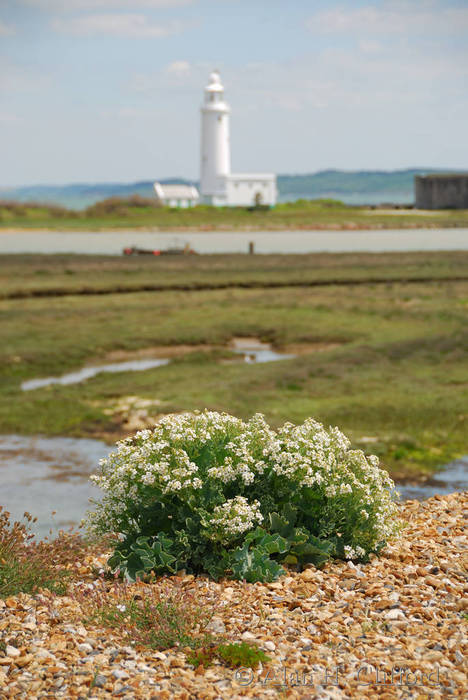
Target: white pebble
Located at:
point(395, 614)
point(120, 675)
point(305, 642)
point(12, 651)
point(248, 635)
point(216, 625)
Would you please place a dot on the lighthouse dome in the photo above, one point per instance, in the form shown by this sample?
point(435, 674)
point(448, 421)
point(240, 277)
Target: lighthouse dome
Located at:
point(215, 84)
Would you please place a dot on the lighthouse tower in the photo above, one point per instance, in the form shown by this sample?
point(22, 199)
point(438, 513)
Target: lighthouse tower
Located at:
point(218, 185)
point(215, 147)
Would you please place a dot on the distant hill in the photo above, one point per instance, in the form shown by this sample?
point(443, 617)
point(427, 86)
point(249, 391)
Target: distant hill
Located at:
point(358, 187)
point(81, 196)
point(360, 181)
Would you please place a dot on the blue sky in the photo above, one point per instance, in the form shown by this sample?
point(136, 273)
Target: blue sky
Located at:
point(110, 90)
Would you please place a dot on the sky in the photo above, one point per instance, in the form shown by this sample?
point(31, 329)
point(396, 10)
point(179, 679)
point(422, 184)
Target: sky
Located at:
point(110, 90)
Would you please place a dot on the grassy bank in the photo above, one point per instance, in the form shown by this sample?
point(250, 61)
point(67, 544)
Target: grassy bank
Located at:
point(52, 274)
point(386, 362)
point(138, 213)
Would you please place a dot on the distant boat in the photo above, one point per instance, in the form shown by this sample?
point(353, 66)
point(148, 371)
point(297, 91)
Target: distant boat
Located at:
point(176, 248)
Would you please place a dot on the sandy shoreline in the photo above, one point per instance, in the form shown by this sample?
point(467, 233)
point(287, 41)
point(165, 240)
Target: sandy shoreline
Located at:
point(351, 226)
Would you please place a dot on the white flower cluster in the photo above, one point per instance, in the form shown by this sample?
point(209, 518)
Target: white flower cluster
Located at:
point(233, 518)
point(189, 457)
point(244, 453)
point(354, 552)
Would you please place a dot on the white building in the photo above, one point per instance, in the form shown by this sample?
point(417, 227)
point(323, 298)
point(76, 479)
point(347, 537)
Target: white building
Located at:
point(176, 195)
point(218, 185)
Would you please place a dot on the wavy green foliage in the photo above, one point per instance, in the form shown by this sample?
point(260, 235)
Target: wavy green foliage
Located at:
point(207, 492)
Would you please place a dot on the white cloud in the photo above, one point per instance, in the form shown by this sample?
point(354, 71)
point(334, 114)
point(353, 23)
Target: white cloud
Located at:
point(336, 80)
point(5, 29)
point(392, 17)
point(179, 77)
point(121, 25)
point(370, 46)
point(179, 69)
point(75, 5)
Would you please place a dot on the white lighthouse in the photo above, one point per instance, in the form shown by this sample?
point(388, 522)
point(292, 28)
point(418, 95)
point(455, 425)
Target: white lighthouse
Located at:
point(215, 149)
point(218, 185)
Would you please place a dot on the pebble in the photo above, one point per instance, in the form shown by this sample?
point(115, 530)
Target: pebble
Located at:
point(120, 675)
point(395, 614)
point(100, 681)
point(12, 651)
point(308, 575)
point(305, 642)
point(403, 608)
point(248, 635)
point(216, 626)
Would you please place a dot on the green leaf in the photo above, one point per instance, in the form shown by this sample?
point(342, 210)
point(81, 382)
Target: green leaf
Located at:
point(313, 551)
point(279, 524)
point(215, 564)
point(254, 565)
point(290, 514)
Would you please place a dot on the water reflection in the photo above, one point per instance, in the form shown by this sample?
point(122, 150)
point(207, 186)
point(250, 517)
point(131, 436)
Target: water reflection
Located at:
point(252, 349)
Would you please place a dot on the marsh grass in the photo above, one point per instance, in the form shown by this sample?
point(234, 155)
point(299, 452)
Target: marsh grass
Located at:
point(140, 212)
point(25, 273)
point(27, 565)
point(396, 372)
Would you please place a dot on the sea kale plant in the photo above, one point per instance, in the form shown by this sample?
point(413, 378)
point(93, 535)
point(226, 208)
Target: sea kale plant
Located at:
point(208, 492)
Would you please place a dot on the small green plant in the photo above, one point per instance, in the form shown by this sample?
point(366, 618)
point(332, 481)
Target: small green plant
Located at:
point(233, 654)
point(368, 626)
point(207, 492)
point(241, 654)
point(159, 616)
point(93, 682)
point(204, 656)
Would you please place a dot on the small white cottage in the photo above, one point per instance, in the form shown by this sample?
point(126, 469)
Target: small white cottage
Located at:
point(178, 196)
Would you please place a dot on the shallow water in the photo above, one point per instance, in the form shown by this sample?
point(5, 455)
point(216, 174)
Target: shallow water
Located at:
point(42, 474)
point(256, 352)
point(112, 243)
point(88, 372)
point(453, 477)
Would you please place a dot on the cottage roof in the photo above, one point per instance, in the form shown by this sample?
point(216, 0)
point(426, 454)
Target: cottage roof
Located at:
point(175, 191)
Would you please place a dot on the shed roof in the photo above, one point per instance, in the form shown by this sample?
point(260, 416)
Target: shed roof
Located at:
point(175, 191)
